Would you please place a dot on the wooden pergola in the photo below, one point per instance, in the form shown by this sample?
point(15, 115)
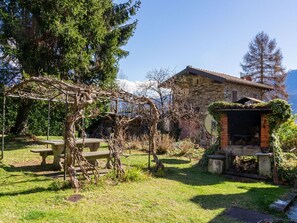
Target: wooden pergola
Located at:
point(81, 97)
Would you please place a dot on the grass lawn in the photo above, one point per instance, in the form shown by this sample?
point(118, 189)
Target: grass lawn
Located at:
point(182, 194)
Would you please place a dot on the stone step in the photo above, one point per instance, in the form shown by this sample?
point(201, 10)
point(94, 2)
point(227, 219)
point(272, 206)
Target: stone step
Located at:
point(247, 175)
point(283, 204)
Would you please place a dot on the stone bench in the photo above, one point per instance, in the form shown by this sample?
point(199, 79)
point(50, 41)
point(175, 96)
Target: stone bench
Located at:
point(93, 156)
point(43, 153)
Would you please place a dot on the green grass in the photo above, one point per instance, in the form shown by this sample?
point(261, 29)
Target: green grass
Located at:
point(181, 194)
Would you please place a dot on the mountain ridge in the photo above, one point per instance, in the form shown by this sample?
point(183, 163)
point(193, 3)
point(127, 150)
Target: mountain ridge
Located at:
point(291, 86)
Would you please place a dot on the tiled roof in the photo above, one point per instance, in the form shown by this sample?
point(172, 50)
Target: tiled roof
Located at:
point(220, 77)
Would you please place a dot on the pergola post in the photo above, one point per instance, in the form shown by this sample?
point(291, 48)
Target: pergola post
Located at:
point(65, 149)
point(150, 142)
point(48, 120)
point(3, 126)
point(83, 132)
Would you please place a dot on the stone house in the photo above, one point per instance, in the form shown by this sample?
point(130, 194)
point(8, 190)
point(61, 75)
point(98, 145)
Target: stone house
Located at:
point(199, 88)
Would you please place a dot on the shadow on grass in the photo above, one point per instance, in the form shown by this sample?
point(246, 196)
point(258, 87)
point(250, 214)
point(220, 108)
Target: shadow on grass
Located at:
point(14, 143)
point(25, 192)
point(21, 181)
point(174, 161)
point(31, 168)
point(254, 199)
point(35, 170)
point(191, 176)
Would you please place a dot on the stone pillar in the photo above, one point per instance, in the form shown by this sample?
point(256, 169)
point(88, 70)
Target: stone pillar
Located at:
point(264, 141)
point(265, 168)
point(216, 164)
point(224, 130)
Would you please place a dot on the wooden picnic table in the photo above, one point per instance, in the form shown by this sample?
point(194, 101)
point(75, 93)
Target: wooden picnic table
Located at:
point(58, 147)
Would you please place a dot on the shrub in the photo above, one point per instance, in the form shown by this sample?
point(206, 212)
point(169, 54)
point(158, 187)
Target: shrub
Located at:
point(164, 143)
point(184, 147)
point(287, 171)
point(288, 134)
point(134, 174)
point(59, 185)
point(203, 162)
point(144, 140)
point(134, 142)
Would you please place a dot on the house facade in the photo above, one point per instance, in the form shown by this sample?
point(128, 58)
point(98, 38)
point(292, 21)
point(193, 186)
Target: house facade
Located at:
point(199, 88)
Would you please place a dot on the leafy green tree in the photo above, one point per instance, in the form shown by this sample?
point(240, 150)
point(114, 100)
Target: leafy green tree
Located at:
point(78, 40)
point(263, 64)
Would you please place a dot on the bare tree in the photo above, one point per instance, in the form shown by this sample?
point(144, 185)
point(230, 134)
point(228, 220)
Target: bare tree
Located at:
point(263, 64)
point(153, 89)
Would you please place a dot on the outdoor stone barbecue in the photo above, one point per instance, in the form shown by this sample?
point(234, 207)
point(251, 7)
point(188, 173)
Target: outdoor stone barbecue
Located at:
point(244, 132)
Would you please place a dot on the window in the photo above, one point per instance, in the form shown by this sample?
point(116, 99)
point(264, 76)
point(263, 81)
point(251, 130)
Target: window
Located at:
point(234, 96)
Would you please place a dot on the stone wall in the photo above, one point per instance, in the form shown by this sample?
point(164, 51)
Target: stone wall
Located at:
point(200, 92)
point(204, 91)
point(242, 91)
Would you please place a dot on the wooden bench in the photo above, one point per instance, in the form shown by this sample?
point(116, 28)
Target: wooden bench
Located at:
point(43, 153)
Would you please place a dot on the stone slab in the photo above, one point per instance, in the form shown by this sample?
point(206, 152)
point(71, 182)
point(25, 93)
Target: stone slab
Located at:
point(263, 154)
point(242, 150)
point(282, 205)
point(219, 157)
point(247, 216)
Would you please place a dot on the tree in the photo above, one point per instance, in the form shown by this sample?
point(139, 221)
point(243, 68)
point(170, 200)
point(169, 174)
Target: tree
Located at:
point(160, 87)
point(75, 40)
point(152, 88)
point(263, 64)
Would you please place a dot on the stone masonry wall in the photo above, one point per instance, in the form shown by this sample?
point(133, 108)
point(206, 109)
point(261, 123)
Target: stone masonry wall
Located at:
point(242, 91)
point(200, 92)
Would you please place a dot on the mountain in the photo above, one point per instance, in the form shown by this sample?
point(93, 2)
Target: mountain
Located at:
point(291, 84)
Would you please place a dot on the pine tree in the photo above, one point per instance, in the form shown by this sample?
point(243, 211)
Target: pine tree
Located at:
point(78, 40)
point(263, 64)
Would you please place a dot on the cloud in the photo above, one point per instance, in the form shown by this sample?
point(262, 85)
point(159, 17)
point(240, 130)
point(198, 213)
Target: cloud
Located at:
point(129, 86)
point(141, 88)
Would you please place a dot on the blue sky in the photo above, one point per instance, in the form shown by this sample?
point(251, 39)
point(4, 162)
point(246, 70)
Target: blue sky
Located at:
point(208, 34)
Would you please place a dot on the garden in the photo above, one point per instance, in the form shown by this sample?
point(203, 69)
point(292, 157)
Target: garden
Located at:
point(171, 185)
point(183, 192)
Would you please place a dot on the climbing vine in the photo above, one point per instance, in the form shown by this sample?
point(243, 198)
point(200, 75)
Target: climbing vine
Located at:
point(83, 100)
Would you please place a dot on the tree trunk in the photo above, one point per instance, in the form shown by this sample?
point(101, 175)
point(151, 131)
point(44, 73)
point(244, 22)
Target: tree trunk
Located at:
point(21, 123)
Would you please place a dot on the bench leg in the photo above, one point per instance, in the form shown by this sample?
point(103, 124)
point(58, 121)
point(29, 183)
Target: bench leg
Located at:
point(57, 150)
point(108, 163)
point(43, 162)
